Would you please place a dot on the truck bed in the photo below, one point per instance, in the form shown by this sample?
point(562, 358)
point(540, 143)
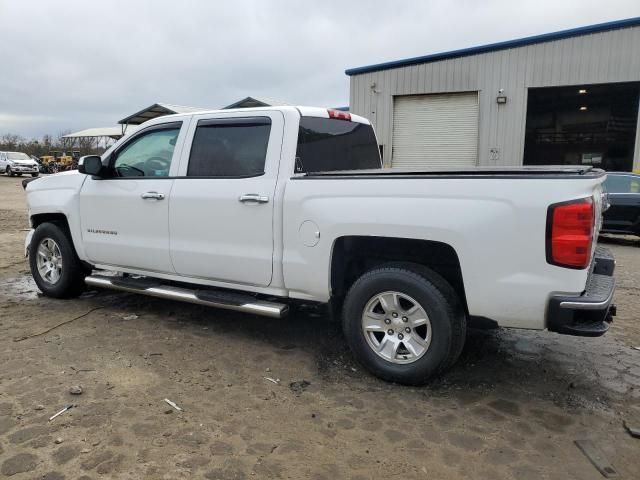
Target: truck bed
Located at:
point(560, 171)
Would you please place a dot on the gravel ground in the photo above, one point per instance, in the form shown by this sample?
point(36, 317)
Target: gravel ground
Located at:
point(511, 408)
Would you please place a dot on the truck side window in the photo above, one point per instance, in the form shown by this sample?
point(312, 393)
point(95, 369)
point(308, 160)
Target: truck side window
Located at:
point(148, 155)
point(234, 147)
point(326, 144)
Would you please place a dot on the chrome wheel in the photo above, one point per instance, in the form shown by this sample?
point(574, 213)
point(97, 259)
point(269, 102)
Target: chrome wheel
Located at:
point(49, 261)
point(396, 327)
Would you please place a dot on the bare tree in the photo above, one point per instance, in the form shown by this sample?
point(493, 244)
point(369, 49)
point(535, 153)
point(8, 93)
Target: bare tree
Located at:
point(63, 143)
point(46, 140)
point(48, 143)
point(10, 141)
point(87, 145)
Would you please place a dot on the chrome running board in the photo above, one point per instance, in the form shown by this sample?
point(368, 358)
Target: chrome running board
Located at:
point(211, 298)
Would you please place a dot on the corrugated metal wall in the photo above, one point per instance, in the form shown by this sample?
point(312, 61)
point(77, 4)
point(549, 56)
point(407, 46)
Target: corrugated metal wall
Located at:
point(605, 57)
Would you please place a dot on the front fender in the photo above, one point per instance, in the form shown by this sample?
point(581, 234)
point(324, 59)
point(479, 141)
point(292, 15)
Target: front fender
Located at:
point(59, 194)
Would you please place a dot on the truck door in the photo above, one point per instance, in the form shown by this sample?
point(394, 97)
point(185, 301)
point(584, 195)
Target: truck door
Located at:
point(125, 217)
point(221, 216)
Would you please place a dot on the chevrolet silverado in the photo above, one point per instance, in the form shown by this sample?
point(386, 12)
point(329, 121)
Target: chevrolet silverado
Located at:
point(254, 209)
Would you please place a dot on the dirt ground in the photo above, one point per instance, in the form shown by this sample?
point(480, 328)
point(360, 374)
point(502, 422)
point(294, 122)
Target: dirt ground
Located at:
point(511, 408)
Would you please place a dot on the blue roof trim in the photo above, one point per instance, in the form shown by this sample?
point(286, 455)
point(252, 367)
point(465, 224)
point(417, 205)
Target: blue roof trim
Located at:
point(342, 109)
point(492, 47)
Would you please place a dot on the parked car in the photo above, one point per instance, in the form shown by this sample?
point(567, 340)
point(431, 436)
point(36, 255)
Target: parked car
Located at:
point(41, 167)
point(623, 214)
point(269, 206)
point(17, 163)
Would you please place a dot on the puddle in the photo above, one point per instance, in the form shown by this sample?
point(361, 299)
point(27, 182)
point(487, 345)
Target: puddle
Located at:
point(19, 288)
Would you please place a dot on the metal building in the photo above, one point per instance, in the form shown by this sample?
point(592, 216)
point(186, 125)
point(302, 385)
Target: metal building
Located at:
point(569, 97)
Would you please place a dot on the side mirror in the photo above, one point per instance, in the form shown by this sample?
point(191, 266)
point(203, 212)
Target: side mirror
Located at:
point(90, 165)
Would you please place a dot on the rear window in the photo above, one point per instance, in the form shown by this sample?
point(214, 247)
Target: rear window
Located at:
point(230, 147)
point(326, 144)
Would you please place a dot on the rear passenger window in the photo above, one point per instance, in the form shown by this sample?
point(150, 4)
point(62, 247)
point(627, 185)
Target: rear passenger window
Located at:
point(229, 147)
point(326, 145)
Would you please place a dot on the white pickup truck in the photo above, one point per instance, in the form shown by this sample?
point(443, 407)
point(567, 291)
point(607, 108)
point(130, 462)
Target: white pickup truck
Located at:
point(253, 209)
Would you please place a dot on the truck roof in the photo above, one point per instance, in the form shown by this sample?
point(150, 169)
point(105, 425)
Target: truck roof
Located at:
point(303, 111)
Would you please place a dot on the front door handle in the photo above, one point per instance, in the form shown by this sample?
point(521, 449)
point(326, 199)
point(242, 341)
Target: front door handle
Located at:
point(253, 198)
point(152, 196)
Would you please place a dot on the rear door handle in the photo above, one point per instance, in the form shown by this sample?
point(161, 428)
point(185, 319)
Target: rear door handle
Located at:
point(253, 198)
point(152, 196)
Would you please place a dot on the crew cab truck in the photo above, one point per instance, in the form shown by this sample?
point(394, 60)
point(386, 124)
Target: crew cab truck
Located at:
point(253, 209)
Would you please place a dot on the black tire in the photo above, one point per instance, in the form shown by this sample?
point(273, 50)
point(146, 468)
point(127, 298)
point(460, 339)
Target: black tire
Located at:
point(8, 171)
point(35, 174)
point(19, 174)
point(71, 281)
point(439, 301)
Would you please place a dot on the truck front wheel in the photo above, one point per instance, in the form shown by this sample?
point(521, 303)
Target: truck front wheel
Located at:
point(55, 266)
point(404, 324)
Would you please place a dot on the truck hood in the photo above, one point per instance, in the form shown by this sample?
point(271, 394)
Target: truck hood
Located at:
point(69, 180)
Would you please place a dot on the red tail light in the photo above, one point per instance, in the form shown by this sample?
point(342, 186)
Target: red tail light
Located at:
point(339, 115)
point(570, 233)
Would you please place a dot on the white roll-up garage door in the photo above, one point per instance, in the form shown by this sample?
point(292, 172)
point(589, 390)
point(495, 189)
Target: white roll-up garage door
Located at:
point(435, 131)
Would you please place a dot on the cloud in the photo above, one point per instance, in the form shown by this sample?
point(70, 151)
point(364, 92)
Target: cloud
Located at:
point(75, 64)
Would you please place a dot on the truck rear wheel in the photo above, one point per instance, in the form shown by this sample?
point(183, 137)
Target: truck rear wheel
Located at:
point(404, 324)
point(55, 266)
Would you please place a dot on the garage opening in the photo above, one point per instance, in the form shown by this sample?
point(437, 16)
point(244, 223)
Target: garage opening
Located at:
point(435, 131)
point(583, 125)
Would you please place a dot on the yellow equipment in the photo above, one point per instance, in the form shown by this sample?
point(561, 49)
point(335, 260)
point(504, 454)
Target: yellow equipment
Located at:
point(47, 159)
point(58, 161)
point(65, 161)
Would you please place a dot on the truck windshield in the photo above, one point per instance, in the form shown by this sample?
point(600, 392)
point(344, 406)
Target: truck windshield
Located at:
point(327, 144)
point(18, 156)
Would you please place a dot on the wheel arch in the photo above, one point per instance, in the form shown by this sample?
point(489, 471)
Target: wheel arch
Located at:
point(71, 270)
point(59, 219)
point(352, 256)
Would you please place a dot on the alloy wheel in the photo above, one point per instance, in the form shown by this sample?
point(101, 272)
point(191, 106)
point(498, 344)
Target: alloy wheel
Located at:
point(49, 261)
point(396, 327)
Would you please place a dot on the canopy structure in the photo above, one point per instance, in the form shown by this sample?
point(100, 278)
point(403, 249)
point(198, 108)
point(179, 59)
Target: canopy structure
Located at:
point(251, 102)
point(110, 132)
point(157, 110)
point(130, 124)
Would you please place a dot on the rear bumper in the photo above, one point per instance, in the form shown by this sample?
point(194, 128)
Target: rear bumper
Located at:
point(628, 230)
point(627, 226)
point(589, 314)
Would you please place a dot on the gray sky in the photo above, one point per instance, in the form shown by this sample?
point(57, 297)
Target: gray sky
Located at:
point(80, 64)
